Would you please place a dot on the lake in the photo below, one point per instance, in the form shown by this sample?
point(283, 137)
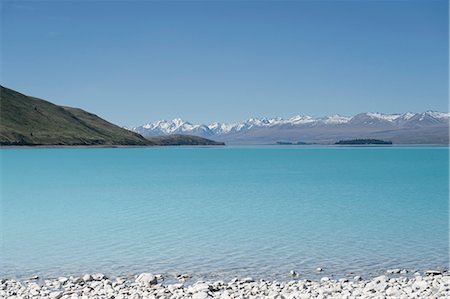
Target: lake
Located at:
point(223, 212)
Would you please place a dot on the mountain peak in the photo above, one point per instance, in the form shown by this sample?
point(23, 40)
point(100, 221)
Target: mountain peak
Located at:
point(365, 123)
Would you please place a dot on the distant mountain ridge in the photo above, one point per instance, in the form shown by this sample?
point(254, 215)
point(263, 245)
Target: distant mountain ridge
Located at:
point(423, 127)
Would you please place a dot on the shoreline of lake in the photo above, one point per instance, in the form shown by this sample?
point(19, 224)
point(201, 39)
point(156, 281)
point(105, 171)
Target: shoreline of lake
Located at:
point(396, 283)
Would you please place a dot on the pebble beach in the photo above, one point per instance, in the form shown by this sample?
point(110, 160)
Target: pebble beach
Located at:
point(430, 284)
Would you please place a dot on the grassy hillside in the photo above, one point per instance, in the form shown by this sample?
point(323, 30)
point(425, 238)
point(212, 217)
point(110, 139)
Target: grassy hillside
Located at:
point(26, 120)
point(179, 139)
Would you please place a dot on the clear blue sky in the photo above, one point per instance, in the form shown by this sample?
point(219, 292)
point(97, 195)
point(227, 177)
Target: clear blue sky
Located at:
point(134, 62)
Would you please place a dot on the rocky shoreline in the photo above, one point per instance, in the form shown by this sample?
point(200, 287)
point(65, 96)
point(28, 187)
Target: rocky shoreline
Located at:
point(395, 284)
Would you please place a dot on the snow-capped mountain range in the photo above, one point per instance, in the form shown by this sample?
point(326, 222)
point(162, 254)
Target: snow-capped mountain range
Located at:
point(305, 128)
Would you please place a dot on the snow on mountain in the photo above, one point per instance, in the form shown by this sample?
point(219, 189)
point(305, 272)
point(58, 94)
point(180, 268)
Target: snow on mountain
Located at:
point(175, 126)
point(381, 116)
point(439, 115)
point(218, 128)
point(336, 119)
point(369, 119)
point(301, 119)
point(407, 115)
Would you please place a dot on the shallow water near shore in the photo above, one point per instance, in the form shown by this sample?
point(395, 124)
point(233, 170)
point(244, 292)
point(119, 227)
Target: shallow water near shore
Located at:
point(216, 213)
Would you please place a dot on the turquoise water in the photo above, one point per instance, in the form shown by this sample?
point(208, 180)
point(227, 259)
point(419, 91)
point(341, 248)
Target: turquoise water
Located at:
point(223, 212)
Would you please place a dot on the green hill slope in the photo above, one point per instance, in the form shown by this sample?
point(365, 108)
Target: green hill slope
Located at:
point(26, 120)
